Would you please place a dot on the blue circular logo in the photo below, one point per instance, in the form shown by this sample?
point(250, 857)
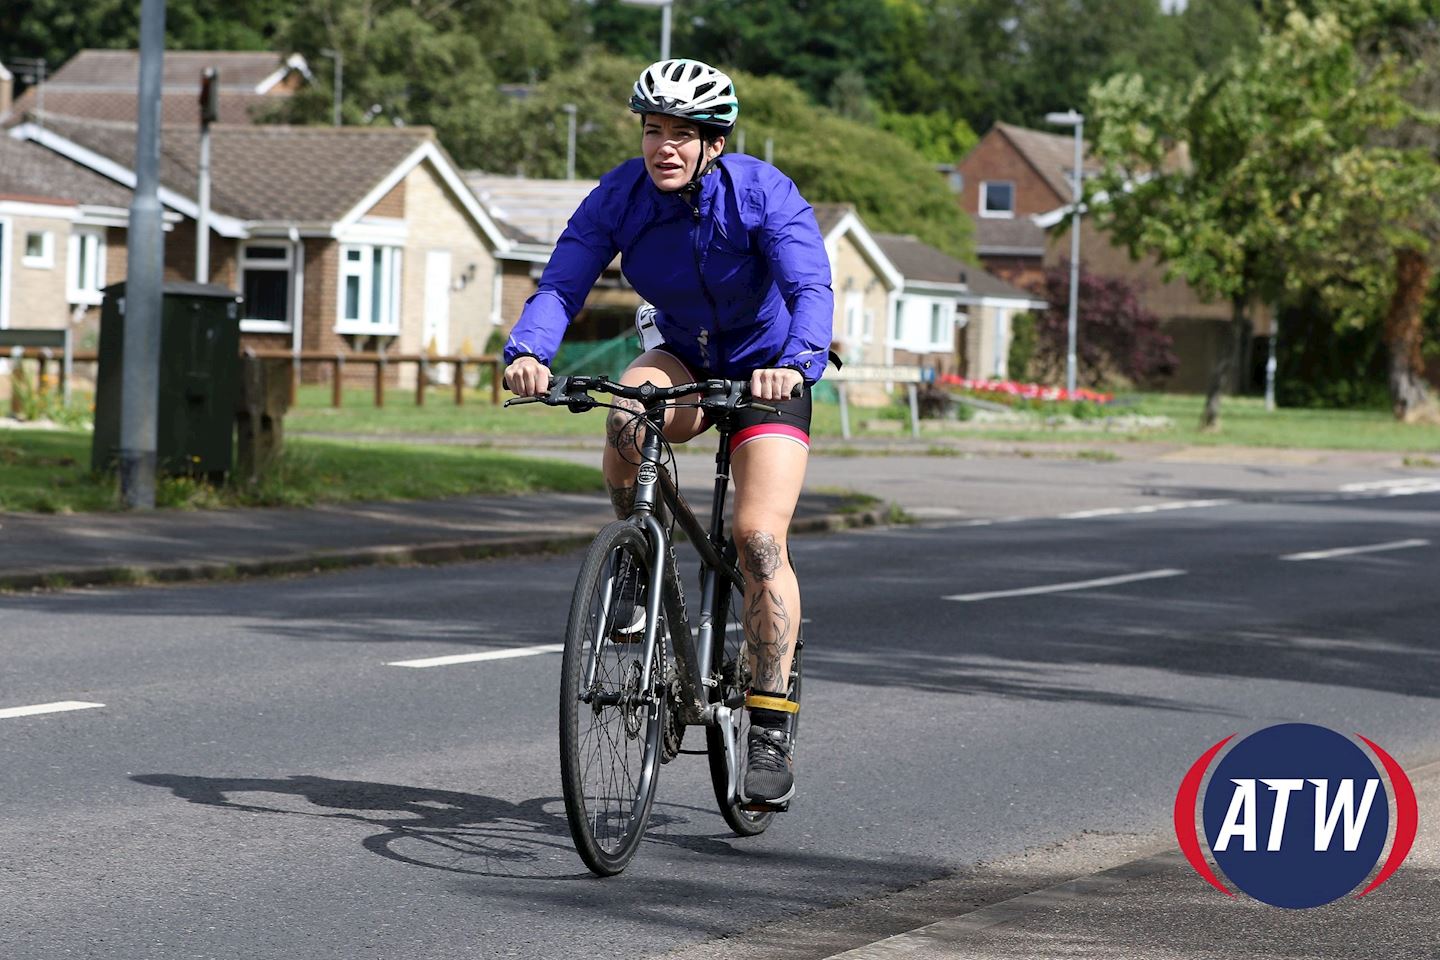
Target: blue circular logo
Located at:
point(1295, 815)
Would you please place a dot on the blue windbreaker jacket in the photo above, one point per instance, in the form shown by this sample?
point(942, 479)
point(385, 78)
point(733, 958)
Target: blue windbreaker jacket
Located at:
point(741, 281)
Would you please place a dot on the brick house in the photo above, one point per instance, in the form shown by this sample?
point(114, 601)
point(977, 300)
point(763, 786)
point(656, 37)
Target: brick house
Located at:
point(104, 85)
point(1016, 186)
point(58, 219)
point(342, 239)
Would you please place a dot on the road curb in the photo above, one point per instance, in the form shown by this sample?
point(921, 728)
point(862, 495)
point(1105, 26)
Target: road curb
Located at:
point(318, 561)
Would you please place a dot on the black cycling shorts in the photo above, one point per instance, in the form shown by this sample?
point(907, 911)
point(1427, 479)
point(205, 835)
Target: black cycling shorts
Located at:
point(792, 422)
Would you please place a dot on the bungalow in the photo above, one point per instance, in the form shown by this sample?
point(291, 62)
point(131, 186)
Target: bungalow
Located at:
point(865, 282)
point(342, 239)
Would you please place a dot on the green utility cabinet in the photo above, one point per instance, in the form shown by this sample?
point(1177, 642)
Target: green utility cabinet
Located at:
point(199, 378)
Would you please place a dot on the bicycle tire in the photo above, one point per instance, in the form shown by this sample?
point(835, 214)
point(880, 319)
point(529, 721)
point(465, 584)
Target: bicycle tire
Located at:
point(610, 744)
point(728, 662)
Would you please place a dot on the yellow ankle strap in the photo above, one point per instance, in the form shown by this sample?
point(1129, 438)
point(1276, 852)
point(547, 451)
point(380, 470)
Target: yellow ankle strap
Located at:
point(771, 703)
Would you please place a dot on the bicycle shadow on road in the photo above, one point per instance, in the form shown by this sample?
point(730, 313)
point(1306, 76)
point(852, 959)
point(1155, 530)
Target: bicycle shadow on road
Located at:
point(465, 833)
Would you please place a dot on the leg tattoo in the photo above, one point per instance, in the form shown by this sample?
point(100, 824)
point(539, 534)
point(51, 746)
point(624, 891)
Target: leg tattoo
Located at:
point(768, 627)
point(622, 429)
point(623, 498)
point(767, 622)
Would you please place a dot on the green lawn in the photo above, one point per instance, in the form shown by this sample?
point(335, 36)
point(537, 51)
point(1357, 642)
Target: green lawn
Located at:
point(49, 472)
point(1244, 422)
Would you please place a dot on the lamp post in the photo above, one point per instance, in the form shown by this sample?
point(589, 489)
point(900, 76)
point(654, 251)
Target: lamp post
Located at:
point(1075, 120)
point(339, 60)
point(664, 6)
point(569, 109)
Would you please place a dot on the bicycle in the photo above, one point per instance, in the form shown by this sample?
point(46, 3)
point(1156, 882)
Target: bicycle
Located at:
point(635, 693)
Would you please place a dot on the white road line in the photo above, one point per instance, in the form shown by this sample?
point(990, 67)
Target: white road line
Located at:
point(1348, 551)
point(1147, 508)
point(58, 707)
point(1388, 484)
point(1063, 587)
point(486, 655)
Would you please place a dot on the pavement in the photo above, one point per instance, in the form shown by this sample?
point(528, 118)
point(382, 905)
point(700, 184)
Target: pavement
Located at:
point(1133, 899)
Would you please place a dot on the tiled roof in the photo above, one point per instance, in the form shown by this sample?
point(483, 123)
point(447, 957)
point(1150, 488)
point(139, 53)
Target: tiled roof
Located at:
point(1051, 154)
point(917, 260)
point(177, 108)
point(987, 285)
point(1017, 235)
point(828, 215)
point(239, 69)
point(103, 84)
point(529, 211)
point(31, 172)
point(301, 174)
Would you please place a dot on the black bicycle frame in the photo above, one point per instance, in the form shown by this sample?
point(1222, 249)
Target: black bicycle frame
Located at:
point(693, 654)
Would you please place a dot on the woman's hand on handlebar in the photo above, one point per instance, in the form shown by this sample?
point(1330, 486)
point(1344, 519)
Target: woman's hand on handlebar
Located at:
point(774, 384)
point(528, 377)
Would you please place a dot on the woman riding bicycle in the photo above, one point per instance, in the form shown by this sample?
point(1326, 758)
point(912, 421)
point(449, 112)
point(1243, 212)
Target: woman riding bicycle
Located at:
point(731, 257)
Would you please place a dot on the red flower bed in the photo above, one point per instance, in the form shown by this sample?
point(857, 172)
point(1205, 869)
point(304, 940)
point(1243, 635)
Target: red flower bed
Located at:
point(1024, 391)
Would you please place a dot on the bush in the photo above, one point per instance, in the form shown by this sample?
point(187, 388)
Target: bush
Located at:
point(1022, 346)
point(1117, 338)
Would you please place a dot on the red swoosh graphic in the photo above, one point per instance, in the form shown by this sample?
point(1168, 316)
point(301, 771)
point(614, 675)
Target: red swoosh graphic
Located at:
point(1185, 831)
point(1407, 817)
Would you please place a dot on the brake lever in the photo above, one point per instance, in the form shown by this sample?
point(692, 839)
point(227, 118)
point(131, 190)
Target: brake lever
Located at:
point(515, 401)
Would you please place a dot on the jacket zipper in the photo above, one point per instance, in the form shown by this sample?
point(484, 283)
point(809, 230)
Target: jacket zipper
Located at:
point(696, 231)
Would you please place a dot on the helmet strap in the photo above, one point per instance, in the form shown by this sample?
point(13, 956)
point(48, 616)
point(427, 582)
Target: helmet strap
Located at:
point(692, 189)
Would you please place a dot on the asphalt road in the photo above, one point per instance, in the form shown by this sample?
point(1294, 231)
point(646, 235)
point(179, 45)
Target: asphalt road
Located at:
point(260, 781)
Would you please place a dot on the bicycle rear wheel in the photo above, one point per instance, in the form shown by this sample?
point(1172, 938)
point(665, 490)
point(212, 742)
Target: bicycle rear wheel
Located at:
point(609, 726)
point(731, 664)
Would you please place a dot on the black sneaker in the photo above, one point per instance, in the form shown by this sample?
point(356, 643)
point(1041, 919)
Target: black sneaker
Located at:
point(769, 777)
point(628, 606)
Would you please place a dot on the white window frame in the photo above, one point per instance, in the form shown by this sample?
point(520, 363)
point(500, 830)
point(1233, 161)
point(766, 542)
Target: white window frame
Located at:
point(946, 340)
point(6, 234)
point(391, 264)
point(985, 208)
point(245, 262)
point(854, 316)
point(46, 258)
point(897, 327)
point(89, 289)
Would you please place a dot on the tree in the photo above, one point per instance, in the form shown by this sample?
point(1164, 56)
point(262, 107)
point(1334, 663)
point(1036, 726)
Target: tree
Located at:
point(1122, 340)
point(1249, 182)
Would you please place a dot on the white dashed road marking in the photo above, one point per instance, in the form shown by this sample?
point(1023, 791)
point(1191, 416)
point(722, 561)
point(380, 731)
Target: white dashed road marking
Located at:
point(486, 655)
point(1148, 508)
point(58, 707)
point(1348, 551)
point(1065, 587)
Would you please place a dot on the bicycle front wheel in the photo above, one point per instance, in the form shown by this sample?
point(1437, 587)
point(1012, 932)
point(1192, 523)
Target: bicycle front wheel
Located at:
point(610, 722)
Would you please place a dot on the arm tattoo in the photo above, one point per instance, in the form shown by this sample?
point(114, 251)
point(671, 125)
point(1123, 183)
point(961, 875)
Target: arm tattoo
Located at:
point(768, 625)
point(623, 498)
point(762, 556)
point(621, 428)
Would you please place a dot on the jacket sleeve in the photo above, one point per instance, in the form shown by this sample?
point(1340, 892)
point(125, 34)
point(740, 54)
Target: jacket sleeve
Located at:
point(790, 239)
point(584, 249)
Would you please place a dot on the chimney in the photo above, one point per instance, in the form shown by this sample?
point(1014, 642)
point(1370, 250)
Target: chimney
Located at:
point(7, 89)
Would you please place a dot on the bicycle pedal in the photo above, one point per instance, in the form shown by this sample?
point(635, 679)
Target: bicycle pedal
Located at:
point(756, 806)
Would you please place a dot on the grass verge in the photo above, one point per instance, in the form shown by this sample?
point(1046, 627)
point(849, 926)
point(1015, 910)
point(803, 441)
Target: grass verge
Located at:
point(48, 472)
point(1244, 422)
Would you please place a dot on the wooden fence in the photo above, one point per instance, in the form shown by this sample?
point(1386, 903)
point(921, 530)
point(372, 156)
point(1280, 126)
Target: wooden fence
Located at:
point(337, 363)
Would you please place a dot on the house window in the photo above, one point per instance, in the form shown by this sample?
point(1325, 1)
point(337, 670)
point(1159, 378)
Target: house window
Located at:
point(369, 289)
point(267, 279)
point(938, 338)
point(869, 324)
point(997, 198)
point(86, 273)
point(897, 335)
point(39, 249)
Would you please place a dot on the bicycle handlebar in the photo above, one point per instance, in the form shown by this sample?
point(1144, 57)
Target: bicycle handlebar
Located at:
point(574, 392)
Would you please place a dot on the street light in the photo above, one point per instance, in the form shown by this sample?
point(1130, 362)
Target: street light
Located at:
point(664, 6)
point(570, 109)
point(1077, 121)
point(339, 60)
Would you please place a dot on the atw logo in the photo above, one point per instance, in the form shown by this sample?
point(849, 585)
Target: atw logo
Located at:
point(1296, 815)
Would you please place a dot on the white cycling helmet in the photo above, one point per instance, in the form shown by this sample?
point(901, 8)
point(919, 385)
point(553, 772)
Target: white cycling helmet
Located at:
point(687, 89)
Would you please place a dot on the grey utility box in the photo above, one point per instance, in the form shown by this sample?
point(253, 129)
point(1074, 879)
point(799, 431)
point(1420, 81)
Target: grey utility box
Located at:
point(198, 383)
